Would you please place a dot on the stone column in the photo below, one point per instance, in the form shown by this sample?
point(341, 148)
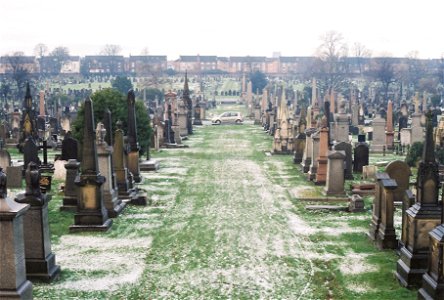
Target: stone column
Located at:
point(40, 261)
point(321, 174)
point(376, 214)
point(71, 190)
point(299, 144)
point(91, 214)
point(389, 132)
point(123, 185)
point(386, 238)
point(13, 282)
point(133, 145)
point(335, 173)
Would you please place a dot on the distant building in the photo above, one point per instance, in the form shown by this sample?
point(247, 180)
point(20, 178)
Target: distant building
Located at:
point(103, 65)
point(11, 64)
point(145, 65)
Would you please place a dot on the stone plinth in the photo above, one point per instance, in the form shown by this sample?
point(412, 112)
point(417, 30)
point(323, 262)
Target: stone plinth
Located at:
point(335, 173)
point(348, 149)
point(71, 190)
point(386, 237)
point(13, 282)
point(149, 165)
point(40, 260)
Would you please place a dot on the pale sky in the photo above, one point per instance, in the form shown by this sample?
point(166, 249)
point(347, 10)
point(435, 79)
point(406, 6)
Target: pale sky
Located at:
point(222, 27)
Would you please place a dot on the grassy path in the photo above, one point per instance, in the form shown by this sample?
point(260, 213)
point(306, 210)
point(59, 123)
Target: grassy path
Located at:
point(228, 234)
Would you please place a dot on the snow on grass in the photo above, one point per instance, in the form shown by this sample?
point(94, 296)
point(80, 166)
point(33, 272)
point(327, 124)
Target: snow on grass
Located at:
point(118, 261)
point(355, 263)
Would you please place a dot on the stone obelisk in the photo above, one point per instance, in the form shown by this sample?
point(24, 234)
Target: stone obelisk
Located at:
point(91, 214)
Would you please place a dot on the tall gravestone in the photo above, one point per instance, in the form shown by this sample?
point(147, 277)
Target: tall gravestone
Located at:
point(386, 237)
point(91, 214)
point(189, 105)
point(299, 144)
point(40, 260)
point(389, 132)
point(335, 173)
point(314, 155)
point(13, 282)
point(28, 125)
point(422, 217)
point(132, 143)
point(376, 213)
point(378, 140)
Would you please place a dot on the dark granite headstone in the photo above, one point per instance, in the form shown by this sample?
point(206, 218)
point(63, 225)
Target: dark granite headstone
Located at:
point(361, 157)
point(70, 148)
point(31, 152)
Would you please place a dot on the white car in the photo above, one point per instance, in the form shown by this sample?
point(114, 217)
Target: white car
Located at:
point(228, 117)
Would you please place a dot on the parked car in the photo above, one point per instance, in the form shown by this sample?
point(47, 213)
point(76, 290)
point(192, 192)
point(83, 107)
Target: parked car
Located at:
point(228, 117)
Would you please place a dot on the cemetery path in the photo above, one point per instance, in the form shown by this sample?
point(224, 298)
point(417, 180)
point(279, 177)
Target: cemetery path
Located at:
point(231, 231)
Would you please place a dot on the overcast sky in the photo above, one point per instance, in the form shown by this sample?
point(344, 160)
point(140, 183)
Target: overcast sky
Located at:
point(221, 27)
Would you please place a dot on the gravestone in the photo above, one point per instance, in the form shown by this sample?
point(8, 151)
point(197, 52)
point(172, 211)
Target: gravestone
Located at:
point(314, 155)
point(13, 281)
point(91, 214)
point(335, 173)
point(376, 212)
point(5, 159)
point(40, 261)
point(379, 139)
point(306, 158)
point(70, 148)
point(347, 148)
point(400, 172)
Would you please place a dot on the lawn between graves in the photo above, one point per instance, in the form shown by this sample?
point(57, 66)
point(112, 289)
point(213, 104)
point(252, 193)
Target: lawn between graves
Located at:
point(225, 222)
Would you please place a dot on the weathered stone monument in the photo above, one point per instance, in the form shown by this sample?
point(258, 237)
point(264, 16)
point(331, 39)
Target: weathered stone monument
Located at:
point(422, 217)
point(283, 136)
point(348, 159)
point(132, 143)
point(314, 155)
point(40, 260)
point(342, 124)
point(321, 174)
point(13, 282)
point(91, 214)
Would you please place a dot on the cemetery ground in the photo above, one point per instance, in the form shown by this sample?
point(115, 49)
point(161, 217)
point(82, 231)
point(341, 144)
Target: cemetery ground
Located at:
point(226, 220)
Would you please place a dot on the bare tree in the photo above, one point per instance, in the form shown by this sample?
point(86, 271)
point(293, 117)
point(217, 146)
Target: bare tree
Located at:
point(111, 50)
point(332, 65)
point(61, 56)
point(17, 65)
point(384, 71)
point(361, 53)
point(40, 50)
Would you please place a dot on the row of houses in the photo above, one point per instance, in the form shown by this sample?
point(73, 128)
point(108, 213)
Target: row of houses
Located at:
point(145, 65)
